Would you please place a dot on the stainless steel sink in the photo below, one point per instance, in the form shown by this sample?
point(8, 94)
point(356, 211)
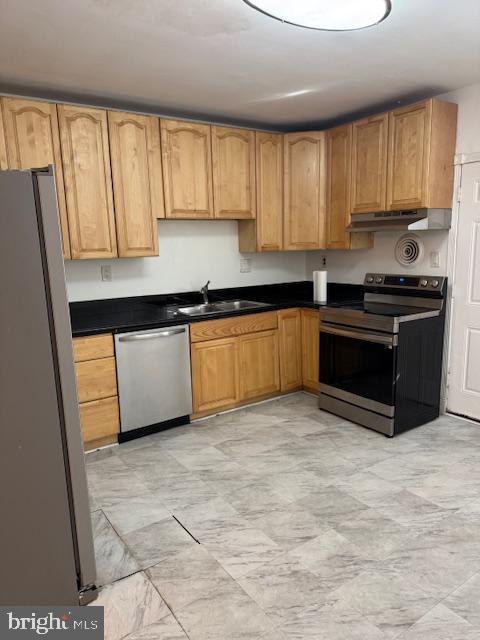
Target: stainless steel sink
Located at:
point(221, 307)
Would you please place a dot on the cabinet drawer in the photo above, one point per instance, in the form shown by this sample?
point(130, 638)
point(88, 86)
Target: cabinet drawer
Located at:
point(99, 419)
point(225, 327)
point(93, 347)
point(96, 379)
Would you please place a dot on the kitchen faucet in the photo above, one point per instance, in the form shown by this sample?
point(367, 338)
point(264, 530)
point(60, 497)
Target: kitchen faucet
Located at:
point(204, 292)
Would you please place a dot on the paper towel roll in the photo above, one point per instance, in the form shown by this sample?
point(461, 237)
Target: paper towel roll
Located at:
point(319, 286)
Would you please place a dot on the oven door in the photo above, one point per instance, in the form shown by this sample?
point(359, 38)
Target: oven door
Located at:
point(359, 366)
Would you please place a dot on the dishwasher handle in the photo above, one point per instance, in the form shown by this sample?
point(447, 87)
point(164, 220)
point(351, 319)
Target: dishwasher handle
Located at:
point(151, 336)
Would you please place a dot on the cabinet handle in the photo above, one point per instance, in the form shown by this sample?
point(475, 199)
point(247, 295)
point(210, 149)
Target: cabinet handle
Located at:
point(151, 336)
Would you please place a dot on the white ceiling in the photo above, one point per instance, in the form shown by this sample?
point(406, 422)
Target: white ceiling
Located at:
point(221, 60)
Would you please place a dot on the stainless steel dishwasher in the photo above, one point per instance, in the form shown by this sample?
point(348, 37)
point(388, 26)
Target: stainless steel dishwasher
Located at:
point(154, 381)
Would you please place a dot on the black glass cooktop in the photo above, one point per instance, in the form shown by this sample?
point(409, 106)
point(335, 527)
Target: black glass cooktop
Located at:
point(381, 309)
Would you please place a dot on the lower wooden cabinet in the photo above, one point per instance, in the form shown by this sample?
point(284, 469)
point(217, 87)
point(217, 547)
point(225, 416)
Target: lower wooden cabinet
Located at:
point(96, 379)
point(310, 349)
point(97, 389)
point(259, 365)
point(246, 358)
point(93, 347)
point(100, 422)
point(290, 349)
point(215, 375)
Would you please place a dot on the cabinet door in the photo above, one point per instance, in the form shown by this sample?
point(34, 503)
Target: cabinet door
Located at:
point(369, 164)
point(339, 143)
point(259, 364)
point(290, 343)
point(310, 349)
point(215, 374)
point(3, 148)
point(304, 217)
point(408, 148)
point(137, 182)
point(187, 169)
point(88, 181)
point(233, 153)
point(269, 173)
point(32, 141)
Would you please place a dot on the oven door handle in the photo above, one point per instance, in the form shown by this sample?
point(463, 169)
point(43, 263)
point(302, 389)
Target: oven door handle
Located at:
point(388, 340)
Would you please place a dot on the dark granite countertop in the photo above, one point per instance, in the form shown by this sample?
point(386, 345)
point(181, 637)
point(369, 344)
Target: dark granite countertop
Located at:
point(150, 312)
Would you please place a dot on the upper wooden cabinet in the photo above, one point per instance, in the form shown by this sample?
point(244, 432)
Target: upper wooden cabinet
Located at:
point(233, 154)
point(266, 232)
point(187, 169)
point(137, 182)
point(339, 142)
point(421, 147)
point(32, 141)
point(305, 170)
point(369, 164)
point(339, 147)
point(88, 181)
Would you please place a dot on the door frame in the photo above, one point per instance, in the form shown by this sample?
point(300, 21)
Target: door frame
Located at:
point(452, 250)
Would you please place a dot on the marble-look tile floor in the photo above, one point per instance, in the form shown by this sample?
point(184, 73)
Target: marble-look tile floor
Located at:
point(282, 522)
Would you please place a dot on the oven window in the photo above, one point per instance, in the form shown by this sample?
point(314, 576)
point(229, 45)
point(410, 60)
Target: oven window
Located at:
point(366, 369)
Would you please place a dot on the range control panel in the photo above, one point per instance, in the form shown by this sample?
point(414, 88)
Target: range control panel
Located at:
point(419, 283)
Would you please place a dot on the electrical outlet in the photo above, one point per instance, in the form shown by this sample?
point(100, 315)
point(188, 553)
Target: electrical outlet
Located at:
point(245, 265)
point(106, 272)
point(324, 261)
point(434, 259)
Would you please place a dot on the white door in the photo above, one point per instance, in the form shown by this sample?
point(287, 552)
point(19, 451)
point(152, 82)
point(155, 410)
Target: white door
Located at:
point(464, 372)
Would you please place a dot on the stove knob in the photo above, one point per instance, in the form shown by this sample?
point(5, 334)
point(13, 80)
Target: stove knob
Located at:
point(434, 283)
point(379, 279)
point(370, 279)
point(423, 283)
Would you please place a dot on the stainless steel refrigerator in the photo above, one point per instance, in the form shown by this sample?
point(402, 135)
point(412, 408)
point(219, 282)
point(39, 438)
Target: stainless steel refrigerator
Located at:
point(46, 544)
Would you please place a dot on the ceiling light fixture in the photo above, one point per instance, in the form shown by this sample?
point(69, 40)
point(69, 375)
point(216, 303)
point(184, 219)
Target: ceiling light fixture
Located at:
point(326, 15)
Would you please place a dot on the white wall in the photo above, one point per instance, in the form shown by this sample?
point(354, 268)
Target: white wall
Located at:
point(468, 126)
point(191, 252)
point(351, 266)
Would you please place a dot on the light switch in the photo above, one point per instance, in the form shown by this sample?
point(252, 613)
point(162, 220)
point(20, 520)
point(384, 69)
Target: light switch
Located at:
point(434, 259)
point(245, 265)
point(106, 271)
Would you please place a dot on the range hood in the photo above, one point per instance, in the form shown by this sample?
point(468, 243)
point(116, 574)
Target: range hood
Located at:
point(410, 220)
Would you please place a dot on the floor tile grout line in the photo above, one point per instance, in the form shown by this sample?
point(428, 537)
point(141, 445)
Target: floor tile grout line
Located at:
point(456, 589)
point(185, 529)
point(140, 570)
point(168, 606)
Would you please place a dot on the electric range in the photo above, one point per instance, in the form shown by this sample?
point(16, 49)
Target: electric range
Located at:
point(381, 359)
